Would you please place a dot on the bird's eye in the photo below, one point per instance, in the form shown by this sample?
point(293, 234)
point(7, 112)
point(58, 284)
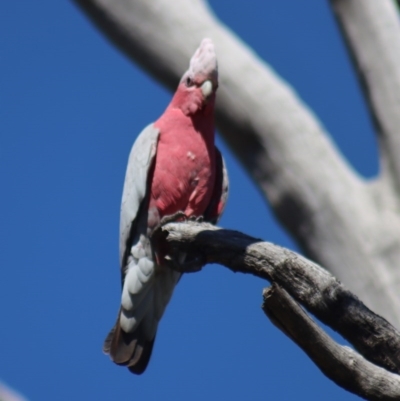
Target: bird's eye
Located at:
point(189, 81)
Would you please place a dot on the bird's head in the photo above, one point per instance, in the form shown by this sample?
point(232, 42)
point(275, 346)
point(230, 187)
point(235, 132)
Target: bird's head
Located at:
point(196, 90)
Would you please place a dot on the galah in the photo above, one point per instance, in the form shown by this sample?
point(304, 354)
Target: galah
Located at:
point(173, 167)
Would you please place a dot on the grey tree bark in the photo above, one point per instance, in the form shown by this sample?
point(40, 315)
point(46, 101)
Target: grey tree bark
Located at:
point(372, 371)
point(346, 223)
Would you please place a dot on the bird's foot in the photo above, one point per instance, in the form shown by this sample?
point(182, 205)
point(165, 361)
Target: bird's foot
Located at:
point(176, 217)
point(175, 259)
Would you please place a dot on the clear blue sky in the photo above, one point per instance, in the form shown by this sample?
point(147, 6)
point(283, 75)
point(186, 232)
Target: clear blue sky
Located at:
point(71, 106)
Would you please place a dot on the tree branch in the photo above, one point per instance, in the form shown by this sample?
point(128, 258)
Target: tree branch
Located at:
point(372, 32)
point(341, 364)
point(315, 288)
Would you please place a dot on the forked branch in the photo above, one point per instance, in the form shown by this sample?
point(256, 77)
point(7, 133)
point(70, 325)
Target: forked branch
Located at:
point(312, 286)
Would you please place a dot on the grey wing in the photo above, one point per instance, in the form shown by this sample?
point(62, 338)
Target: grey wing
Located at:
point(221, 189)
point(144, 296)
point(135, 185)
point(224, 186)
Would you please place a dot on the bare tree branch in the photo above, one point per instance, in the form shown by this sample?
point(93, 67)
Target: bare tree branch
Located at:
point(341, 364)
point(372, 32)
point(337, 219)
point(315, 288)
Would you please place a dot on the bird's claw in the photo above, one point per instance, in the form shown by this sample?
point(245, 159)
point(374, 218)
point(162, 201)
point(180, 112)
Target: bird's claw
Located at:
point(178, 216)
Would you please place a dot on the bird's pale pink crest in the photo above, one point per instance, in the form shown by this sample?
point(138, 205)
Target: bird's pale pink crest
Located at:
point(203, 64)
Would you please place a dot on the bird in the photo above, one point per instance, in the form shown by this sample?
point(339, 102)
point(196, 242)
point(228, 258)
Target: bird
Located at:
point(173, 167)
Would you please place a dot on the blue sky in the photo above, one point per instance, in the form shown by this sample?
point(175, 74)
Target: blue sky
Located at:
point(71, 106)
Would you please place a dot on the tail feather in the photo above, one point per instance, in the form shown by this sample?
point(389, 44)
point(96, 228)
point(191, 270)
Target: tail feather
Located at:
point(128, 349)
point(131, 344)
point(141, 360)
point(107, 341)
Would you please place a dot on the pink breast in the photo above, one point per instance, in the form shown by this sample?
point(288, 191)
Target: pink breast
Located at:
point(184, 172)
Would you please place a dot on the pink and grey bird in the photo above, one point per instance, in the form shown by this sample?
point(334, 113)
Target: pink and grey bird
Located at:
point(173, 167)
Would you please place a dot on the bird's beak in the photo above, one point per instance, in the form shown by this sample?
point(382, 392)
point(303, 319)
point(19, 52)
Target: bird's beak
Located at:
point(207, 88)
